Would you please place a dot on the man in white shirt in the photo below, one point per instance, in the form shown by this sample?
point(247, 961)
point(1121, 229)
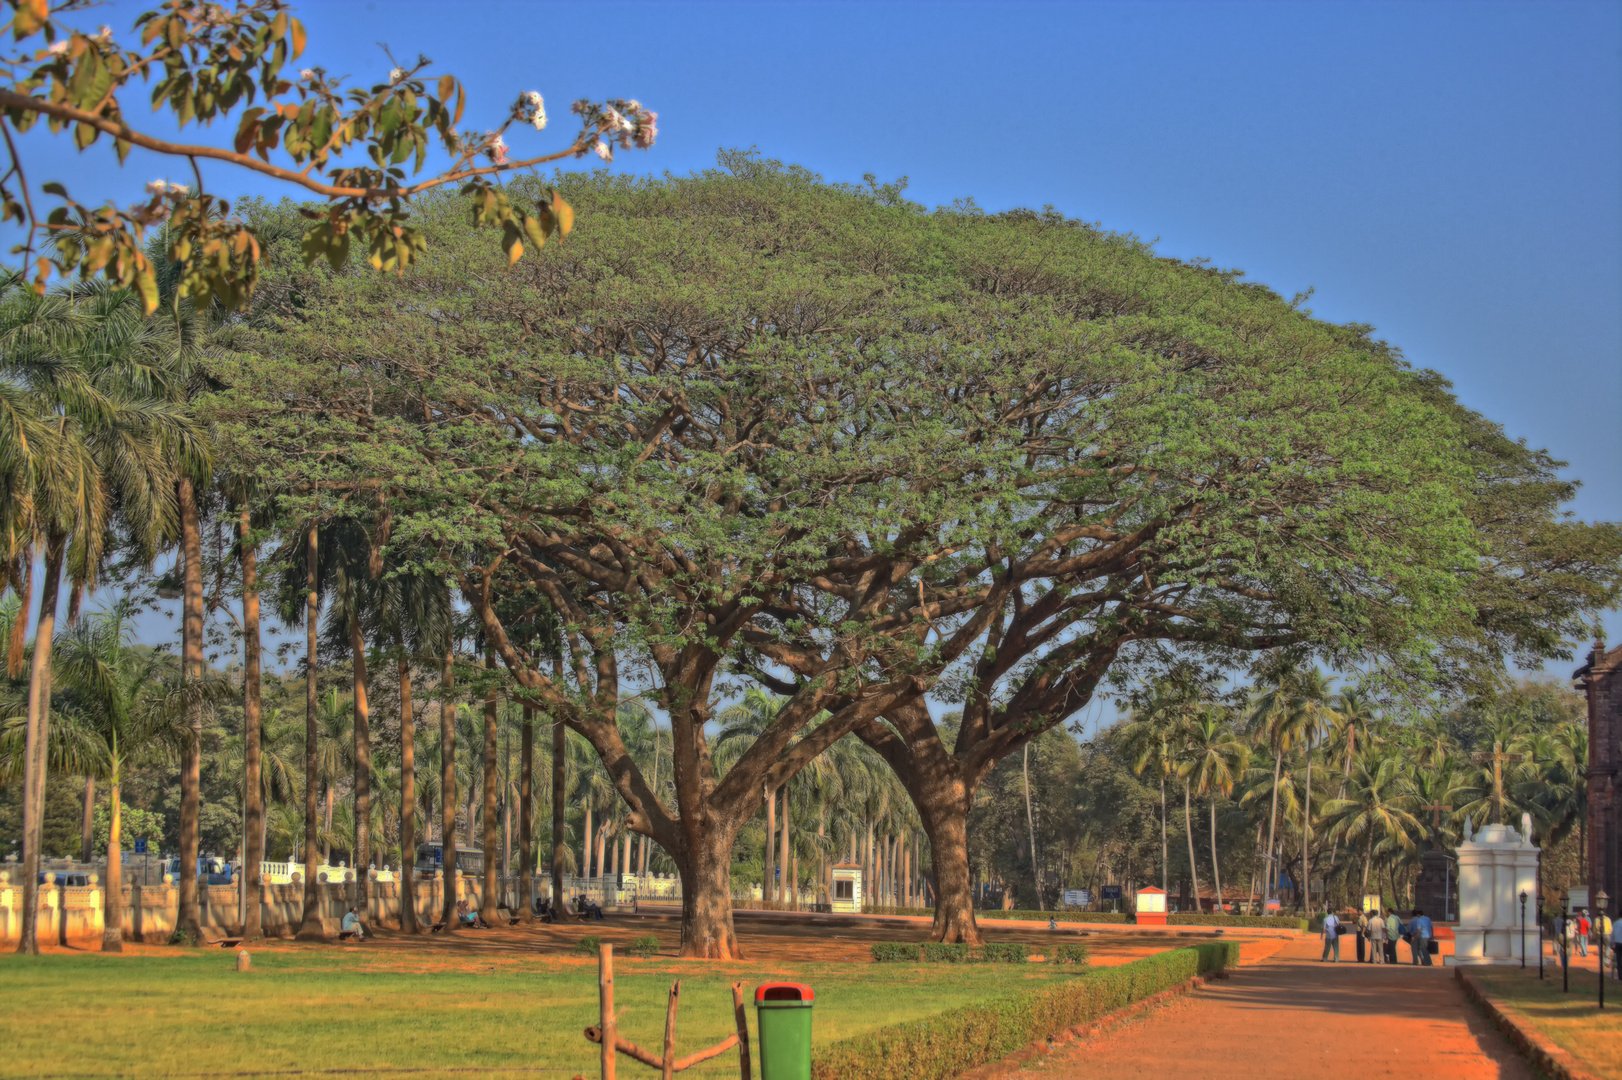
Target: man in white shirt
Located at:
point(1377, 936)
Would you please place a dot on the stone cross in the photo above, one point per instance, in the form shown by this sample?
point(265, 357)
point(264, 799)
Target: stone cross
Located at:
point(1436, 809)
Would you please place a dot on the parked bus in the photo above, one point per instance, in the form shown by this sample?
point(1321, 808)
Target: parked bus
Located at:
point(431, 860)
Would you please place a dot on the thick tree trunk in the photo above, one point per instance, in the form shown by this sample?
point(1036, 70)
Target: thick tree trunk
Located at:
point(447, 788)
point(361, 857)
point(526, 810)
point(87, 819)
point(112, 906)
point(253, 830)
point(191, 655)
point(408, 794)
point(310, 928)
point(946, 821)
point(489, 900)
point(706, 897)
point(560, 783)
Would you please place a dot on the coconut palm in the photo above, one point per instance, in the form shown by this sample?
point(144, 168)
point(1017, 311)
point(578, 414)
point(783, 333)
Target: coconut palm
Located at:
point(1379, 805)
point(1211, 760)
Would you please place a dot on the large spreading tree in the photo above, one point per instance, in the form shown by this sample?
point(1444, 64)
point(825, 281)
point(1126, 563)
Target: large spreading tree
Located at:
point(747, 426)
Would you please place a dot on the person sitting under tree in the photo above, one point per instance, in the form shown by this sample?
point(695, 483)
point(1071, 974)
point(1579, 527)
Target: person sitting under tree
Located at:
point(350, 927)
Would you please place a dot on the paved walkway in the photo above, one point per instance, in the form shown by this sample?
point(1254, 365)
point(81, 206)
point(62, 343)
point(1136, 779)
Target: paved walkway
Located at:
point(1291, 1017)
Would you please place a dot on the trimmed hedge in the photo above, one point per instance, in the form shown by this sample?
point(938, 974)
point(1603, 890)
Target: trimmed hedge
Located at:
point(1071, 953)
point(1003, 952)
point(951, 1042)
point(895, 952)
point(940, 952)
point(1061, 916)
point(1281, 922)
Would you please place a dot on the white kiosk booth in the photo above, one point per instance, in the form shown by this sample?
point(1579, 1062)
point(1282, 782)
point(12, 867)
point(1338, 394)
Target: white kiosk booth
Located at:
point(1151, 906)
point(846, 897)
point(1497, 866)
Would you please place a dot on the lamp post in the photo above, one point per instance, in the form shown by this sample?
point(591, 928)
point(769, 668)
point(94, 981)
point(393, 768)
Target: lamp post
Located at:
point(1601, 899)
point(1523, 930)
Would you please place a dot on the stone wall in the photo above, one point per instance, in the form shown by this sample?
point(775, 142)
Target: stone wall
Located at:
point(1601, 678)
point(74, 915)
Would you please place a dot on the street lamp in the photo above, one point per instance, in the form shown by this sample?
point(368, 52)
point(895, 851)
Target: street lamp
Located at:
point(1523, 930)
point(1600, 900)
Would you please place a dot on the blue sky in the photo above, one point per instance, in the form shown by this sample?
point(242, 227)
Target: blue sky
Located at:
point(1450, 173)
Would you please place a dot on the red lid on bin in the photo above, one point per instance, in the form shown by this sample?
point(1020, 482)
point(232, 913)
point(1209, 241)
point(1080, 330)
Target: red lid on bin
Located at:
point(784, 992)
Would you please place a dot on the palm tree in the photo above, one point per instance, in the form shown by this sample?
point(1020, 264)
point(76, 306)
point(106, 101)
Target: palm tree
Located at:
point(1212, 760)
point(1490, 784)
point(1378, 806)
point(85, 429)
point(118, 694)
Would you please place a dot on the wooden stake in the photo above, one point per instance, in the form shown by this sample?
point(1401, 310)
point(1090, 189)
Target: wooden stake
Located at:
point(605, 998)
point(743, 1030)
point(667, 1063)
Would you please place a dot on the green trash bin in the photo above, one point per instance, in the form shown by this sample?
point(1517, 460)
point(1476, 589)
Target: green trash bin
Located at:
point(783, 1012)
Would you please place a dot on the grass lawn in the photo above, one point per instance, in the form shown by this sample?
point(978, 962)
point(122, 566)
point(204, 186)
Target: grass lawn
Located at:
point(191, 1013)
point(1571, 1021)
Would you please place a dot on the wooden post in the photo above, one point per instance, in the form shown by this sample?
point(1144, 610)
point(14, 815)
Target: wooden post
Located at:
point(742, 1018)
point(668, 1058)
point(605, 999)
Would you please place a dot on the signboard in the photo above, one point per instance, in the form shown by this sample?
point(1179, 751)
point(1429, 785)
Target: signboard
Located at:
point(1077, 897)
point(140, 847)
point(1576, 899)
point(1109, 892)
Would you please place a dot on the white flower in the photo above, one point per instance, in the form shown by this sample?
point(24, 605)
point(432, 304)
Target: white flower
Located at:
point(534, 100)
point(498, 150)
point(165, 187)
point(57, 48)
point(105, 33)
point(537, 105)
point(613, 118)
point(307, 73)
point(604, 151)
point(395, 75)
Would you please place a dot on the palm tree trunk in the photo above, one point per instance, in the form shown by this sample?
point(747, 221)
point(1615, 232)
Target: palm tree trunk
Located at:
point(768, 883)
point(560, 780)
point(326, 829)
point(191, 653)
point(1271, 875)
point(361, 857)
point(310, 926)
point(408, 793)
point(492, 778)
point(1306, 834)
point(87, 838)
point(1368, 857)
point(1165, 849)
point(586, 838)
point(1216, 872)
point(526, 809)
point(1188, 825)
point(112, 907)
point(785, 887)
point(253, 844)
point(1030, 825)
point(447, 787)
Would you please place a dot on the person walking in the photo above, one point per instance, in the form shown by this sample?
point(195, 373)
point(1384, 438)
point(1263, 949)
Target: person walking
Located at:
point(1602, 935)
point(1331, 936)
point(1376, 938)
point(1420, 932)
point(1395, 931)
point(1362, 936)
point(1584, 928)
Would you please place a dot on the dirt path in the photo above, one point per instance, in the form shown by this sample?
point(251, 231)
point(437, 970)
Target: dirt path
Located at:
point(1292, 1017)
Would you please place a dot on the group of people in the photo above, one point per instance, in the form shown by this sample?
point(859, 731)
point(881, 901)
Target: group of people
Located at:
point(583, 908)
point(1378, 934)
point(1574, 932)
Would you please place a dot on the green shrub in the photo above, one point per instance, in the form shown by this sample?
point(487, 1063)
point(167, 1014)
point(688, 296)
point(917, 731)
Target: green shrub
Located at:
point(940, 952)
point(588, 944)
point(1071, 953)
point(1059, 916)
point(928, 912)
point(960, 1039)
point(644, 946)
point(895, 952)
point(183, 937)
point(1281, 922)
point(1004, 952)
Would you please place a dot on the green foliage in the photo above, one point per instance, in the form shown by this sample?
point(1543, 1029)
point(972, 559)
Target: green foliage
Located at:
point(133, 824)
point(881, 910)
point(1002, 952)
point(589, 944)
point(960, 1039)
point(1071, 952)
point(1059, 916)
point(183, 936)
point(1282, 922)
point(643, 947)
point(894, 952)
point(940, 952)
point(208, 59)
